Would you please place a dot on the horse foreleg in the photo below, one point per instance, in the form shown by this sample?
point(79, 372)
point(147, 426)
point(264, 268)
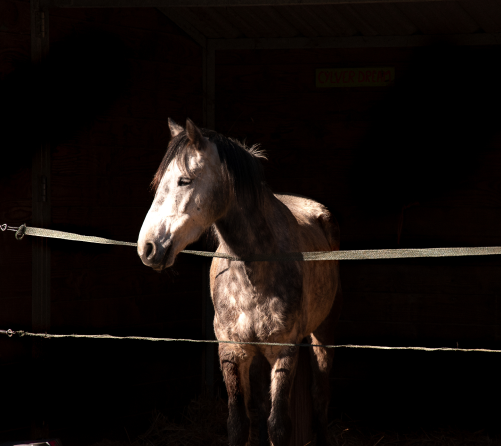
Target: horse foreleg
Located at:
point(282, 378)
point(235, 375)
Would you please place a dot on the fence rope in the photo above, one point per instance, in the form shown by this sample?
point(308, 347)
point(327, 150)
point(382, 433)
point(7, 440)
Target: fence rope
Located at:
point(23, 230)
point(21, 333)
point(364, 254)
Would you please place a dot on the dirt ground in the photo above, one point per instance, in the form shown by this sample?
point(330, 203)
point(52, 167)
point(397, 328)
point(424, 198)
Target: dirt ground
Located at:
point(204, 423)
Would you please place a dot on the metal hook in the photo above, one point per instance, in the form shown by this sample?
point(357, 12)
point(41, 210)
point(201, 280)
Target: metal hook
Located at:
point(3, 227)
point(20, 232)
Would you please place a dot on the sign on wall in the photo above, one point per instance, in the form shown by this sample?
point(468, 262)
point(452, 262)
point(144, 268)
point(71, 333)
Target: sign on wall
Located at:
point(355, 77)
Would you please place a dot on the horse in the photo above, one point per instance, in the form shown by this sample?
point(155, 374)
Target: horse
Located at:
point(207, 180)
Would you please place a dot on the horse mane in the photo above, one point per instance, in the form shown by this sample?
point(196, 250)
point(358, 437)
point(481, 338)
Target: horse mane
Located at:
point(241, 167)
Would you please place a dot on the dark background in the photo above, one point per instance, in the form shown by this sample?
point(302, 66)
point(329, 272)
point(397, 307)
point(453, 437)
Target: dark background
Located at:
point(425, 152)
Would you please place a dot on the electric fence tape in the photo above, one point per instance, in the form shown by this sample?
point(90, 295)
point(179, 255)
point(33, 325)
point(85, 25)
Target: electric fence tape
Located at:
point(23, 230)
point(365, 254)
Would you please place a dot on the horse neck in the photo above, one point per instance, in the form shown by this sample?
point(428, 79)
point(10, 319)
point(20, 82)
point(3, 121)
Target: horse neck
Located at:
point(244, 231)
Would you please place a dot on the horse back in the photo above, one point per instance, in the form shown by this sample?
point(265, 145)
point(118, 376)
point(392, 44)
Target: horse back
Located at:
point(316, 222)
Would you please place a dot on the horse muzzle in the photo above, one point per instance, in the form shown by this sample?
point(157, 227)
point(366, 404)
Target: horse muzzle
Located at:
point(156, 255)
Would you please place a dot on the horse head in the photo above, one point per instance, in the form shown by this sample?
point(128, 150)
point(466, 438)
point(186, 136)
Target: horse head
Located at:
point(190, 194)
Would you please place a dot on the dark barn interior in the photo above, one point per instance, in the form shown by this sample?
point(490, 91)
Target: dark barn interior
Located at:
point(86, 90)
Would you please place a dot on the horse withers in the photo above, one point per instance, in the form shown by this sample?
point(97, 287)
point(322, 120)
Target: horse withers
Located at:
point(208, 180)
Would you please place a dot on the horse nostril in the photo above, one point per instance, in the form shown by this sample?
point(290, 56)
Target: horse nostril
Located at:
point(150, 250)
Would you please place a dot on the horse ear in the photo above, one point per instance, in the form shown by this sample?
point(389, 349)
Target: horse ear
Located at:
point(175, 129)
point(194, 135)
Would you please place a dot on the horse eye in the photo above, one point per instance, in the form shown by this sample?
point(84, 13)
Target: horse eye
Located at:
point(184, 181)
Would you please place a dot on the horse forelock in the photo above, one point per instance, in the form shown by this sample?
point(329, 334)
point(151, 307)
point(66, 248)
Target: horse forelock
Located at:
point(242, 173)
point(176, 145)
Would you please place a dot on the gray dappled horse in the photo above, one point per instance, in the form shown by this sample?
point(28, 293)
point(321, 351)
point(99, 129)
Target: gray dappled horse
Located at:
point(204, 180)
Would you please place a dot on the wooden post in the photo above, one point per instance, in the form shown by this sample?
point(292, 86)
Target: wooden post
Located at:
point(209, 122)
point(208, 323)
point(41, 217)
point(210, 87)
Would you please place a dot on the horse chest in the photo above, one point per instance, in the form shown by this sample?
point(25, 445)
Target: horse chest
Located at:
point(247, 311)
